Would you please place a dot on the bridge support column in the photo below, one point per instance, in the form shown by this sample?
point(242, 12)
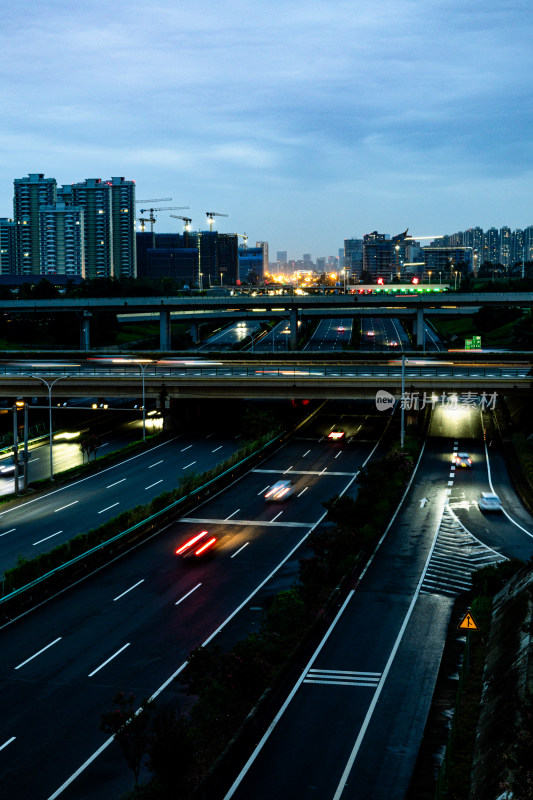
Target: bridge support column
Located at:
point(293, 326)
point(85, 330)
point(195, 332)
point(420, 329)
point(164, 330)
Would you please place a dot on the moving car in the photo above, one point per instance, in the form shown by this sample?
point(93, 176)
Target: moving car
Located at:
point(199, 545)
point(336, 435)
point(281, 490)
point(7, 467)
point(489, 502)
point(463, 460)
point(341, 329)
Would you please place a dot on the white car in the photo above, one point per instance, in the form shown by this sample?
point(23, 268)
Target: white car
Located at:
point(463, 460)
point(281, 490)
point(489, 502)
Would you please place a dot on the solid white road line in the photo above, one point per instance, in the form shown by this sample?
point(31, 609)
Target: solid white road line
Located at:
point(153, 484)
point(39, 653)
point(117, 482)
point(107, 509)
point(108, 660)
point(188, 593)
point(67, 506)
point(47, 537)
point(239, 550)
point(8, 742)
point(129, 590)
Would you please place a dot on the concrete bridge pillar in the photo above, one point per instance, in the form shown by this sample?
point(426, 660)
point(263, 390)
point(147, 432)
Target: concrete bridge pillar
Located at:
point(164, 330)
point(420, 329)
point(195, 332)
point(293, 325)
point(85, 330)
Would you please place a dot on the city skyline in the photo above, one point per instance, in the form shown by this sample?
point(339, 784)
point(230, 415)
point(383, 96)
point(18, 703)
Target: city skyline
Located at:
point(306, 124)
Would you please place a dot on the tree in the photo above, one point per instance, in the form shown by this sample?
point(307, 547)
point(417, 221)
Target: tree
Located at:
point(89, 443)
point(131, 729)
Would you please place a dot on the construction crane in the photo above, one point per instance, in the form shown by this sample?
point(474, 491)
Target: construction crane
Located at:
point(152, 219)
point(155, 200)
point(186, 228)
point(244, 238)
point(210, 215)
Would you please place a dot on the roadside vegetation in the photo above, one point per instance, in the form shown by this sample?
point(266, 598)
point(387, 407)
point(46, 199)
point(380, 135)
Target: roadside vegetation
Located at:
point(228, 688)
point(454, 778)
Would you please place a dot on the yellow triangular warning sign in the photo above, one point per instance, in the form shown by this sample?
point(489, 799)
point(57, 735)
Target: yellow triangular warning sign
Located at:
point(468, 623)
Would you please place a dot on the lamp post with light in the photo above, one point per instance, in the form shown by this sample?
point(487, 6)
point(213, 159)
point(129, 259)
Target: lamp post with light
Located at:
point(142, 365)
point(49, 386)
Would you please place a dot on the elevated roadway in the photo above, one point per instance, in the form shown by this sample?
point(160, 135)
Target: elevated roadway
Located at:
point(168, 379)
point(348, 304)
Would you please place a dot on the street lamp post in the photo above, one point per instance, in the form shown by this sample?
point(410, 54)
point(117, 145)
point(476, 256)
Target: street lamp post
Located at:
point(49, 387)
point(143, 366)
point(429, 278)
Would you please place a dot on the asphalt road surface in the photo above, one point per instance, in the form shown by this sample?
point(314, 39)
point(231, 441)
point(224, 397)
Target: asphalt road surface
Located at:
point(352, 724)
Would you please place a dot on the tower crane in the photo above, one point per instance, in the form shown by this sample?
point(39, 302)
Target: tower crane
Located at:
point(151, 219)
point(155, 200)
point(244, 239)
point(186, 228)
point(210, 215)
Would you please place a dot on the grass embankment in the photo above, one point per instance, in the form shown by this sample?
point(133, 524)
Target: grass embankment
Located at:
point(230, 687)
point(454, 778)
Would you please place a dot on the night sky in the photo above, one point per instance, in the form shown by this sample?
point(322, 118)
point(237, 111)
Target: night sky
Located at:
point(306, 122)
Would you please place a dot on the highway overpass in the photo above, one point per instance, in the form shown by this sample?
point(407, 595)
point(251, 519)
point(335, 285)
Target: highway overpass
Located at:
point(193, 308)
point(214, 380)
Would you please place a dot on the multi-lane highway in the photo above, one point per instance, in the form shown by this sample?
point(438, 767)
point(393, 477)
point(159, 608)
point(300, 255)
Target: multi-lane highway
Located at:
point(36, 525)
point(131, 626)
point(352, 723)
point(330, 335)
point(354, 719)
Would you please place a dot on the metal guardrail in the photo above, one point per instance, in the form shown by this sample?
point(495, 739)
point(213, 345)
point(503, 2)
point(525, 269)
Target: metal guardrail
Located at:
point(275, 370)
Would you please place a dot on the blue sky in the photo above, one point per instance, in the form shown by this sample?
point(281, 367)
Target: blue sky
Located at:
point(305, 122)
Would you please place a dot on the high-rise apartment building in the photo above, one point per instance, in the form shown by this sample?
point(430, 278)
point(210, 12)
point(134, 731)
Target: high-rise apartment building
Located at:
point(517, 246)
point(94, 197)
point(505, 246)
point(491, 246)
point(29, 195)
point(353, 258)
point(62, 240)
point(8, 229)
point(123, 227)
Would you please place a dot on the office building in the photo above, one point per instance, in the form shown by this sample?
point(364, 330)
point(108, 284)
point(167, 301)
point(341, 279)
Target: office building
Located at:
point(251, 265)
point(29, 195)
point(353, 259)
point(378, 257)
